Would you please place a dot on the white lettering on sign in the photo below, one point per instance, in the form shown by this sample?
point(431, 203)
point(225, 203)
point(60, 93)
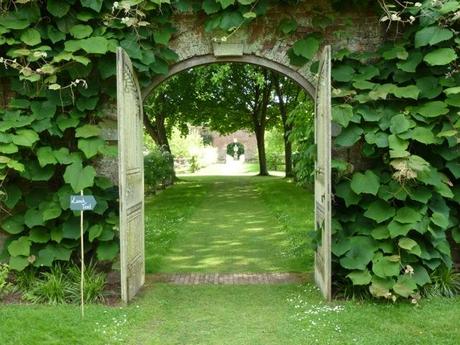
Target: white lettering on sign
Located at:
point(82, 203)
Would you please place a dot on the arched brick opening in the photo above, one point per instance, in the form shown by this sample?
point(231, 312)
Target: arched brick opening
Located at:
point(306, 84)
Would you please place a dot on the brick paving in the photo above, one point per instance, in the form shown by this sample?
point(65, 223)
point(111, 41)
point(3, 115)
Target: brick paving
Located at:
point(228, 278)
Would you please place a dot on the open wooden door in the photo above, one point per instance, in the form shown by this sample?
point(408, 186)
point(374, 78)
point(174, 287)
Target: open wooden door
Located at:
point(131, 178)
point(323, 174)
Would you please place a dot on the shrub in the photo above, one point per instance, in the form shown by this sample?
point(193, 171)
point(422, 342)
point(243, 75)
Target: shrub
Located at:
point(51, 287)
point(61, 284)
point(93, 289)
point(5, 285)
point(158, 169)
point(444, 282)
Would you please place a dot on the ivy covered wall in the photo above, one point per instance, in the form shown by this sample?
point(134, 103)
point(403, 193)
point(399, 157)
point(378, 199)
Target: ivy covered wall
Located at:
point(397, 106)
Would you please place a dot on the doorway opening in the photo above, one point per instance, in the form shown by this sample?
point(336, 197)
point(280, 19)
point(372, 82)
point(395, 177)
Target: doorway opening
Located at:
point(223, 230)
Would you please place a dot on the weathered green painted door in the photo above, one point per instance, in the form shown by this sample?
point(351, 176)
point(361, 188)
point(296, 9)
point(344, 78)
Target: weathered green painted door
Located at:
point(323, 174)
point(131, 178)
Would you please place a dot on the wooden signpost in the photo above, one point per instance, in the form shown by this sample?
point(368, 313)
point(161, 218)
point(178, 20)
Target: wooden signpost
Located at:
point(82, 203)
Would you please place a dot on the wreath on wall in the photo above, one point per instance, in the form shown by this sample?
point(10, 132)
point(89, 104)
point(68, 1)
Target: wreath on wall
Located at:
point(235, 149)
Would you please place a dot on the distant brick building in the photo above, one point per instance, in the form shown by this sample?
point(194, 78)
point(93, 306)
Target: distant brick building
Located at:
point(244, 137)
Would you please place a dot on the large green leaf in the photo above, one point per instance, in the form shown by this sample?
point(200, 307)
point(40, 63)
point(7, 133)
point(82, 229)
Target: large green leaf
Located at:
point(432, 35)
point(423, 135)
point(399, 124)
point(13, 195)
point(45, 156)
point(408, 215)
point(31, 37)
point(90, 147)
point(87, 131)
point(397, 229)
point(107, 250)
point(52, 252)
point(410, 245)
point(405, 286)
point(306, 47)
point(410, 91)
point(361, 253)
point(18, 263)
point(365, 183)
point(344, 191)
point(225, 3)
point(342, 114)
point(57, 8)
point(210, 6)
point(360, 277)
point(33, 217)
point(39, 235)
point(95, 5)
point(433, 109)
point(343, 73)
point(81, 31)
point(349, 136)
point(440, 57)
point(78, 177)
point(20, 247)
point(14, 224)
point(95, 45)
point(386, 266)
point(379, 211)
point(25, 137)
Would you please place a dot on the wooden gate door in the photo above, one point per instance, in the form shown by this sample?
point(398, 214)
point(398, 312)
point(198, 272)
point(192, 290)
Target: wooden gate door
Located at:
point(323, 174)
point(131, 178)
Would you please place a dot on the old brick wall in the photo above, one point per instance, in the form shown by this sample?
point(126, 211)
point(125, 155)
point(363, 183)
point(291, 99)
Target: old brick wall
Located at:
point(243, 137)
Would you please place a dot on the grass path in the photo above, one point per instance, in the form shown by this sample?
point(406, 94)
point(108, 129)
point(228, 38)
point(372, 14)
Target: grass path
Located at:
point(234, 224)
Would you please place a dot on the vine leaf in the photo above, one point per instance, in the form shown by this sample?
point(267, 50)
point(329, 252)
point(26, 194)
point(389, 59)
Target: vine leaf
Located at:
point(408, 215)
point(57, 8)
point(107, 250)
point(440, 57)
point(78, 177)
point(225, 3)
point(31, 37)
point(379, 211)
point(360, 277)
point(19, 247)
point(307, 47)
point(367, 183)
point(386, 266)
point(95, 5)
point(431, 36)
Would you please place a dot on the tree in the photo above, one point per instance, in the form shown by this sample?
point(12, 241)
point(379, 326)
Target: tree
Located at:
point(287, 93)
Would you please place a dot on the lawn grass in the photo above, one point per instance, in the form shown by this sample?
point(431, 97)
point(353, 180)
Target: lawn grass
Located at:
point(232, 315)
point(229, 224)
point(235, 315)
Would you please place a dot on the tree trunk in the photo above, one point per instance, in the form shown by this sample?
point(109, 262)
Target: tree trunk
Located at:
point(288, 154)
point(286, 128)
point(157, 131)
point(260, 138)
point(259, 117)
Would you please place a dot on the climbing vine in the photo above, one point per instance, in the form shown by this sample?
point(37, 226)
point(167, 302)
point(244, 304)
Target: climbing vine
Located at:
point(395, 206)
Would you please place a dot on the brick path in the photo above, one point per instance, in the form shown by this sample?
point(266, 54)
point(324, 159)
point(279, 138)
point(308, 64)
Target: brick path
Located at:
point(227, 278)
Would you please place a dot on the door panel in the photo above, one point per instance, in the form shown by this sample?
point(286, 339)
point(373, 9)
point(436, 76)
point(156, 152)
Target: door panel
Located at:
point(131, 178)
point(323, 174)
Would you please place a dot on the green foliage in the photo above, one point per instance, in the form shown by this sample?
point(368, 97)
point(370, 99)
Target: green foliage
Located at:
point(61, 284)
point(302, 138)
point(5, 286)
point(394, 213)
point(443, 281)
point(158, 169)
